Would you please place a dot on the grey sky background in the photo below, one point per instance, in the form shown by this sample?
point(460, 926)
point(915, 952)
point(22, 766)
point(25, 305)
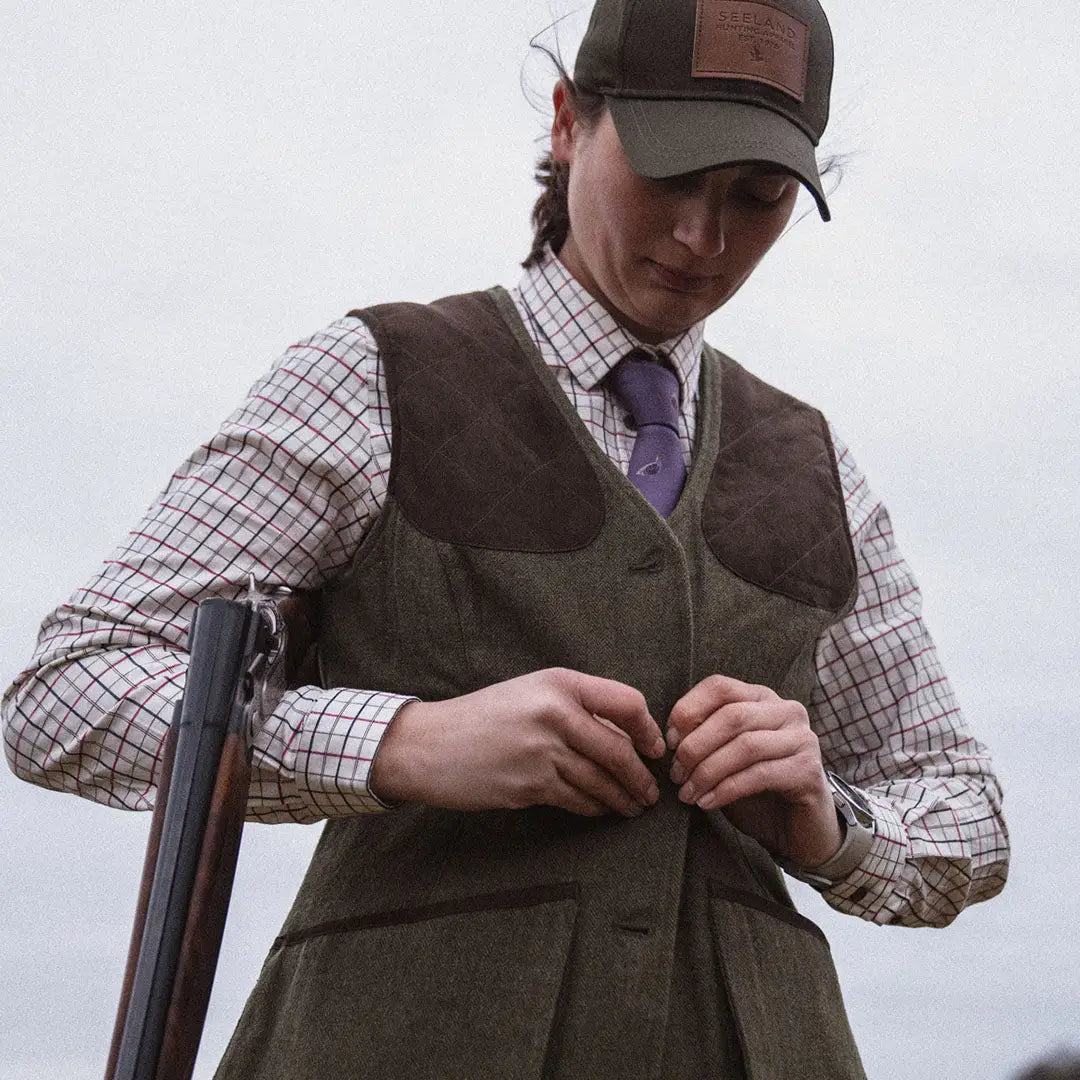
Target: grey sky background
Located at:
point(188, 189)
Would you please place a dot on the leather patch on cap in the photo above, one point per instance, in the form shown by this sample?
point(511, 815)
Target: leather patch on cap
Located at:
point(740, 39)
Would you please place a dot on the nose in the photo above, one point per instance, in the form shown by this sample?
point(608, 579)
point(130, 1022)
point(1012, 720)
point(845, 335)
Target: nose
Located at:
point(700, 226)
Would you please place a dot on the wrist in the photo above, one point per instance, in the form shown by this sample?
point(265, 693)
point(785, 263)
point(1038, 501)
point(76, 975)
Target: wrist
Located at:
point(388, 778)
point(855, 822)
point(816, 832)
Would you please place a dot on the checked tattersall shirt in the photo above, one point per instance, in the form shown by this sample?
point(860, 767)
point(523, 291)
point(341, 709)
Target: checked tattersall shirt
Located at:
point(287, 489)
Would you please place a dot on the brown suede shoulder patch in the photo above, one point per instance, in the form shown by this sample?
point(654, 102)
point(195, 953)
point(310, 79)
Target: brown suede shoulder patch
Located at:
point(481, 455)
point(774, 511)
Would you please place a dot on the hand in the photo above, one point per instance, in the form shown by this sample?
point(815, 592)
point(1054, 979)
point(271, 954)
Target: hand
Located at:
point(744, 749)
point(554, 737)
point(301, 614)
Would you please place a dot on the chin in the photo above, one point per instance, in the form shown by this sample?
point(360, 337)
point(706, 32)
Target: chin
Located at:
point(666, 324)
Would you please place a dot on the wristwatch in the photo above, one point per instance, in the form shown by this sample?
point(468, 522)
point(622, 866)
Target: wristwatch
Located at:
point(856, 818)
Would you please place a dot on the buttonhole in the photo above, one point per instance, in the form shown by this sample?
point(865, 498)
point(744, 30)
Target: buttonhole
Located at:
point(633, 928)
point(649, 563)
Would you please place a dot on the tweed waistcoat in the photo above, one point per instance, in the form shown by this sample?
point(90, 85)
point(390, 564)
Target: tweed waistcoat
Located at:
point(536, 943)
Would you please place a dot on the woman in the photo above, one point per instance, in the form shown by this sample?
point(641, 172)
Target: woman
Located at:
point(625, 611)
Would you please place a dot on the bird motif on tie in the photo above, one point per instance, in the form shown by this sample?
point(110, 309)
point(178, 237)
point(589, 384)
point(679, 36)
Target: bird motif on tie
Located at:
point(649, 390)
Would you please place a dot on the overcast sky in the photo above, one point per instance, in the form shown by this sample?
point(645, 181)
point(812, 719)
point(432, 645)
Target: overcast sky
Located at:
point(189, 188)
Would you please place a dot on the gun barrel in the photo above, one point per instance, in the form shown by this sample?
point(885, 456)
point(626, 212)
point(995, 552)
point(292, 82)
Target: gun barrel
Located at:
point(153, 843)
point(196, 850)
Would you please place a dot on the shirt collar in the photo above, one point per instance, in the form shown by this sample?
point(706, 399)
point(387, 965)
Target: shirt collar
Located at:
point(586, 338)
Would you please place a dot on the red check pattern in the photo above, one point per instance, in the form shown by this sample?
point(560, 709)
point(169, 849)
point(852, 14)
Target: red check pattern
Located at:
point(288, 487)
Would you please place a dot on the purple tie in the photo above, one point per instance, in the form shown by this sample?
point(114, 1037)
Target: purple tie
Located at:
point(650, 390)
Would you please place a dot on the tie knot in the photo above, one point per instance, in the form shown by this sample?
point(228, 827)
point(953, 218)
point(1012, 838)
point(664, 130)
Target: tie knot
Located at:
point(648, 388)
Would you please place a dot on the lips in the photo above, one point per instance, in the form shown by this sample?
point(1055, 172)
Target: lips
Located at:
point(682, 281)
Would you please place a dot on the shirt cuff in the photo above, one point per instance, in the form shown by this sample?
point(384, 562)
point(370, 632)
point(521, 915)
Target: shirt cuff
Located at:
point(335, 747)
point(866, 889)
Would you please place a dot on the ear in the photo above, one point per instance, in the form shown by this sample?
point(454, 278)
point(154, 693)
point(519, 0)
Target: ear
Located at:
point(564, 126)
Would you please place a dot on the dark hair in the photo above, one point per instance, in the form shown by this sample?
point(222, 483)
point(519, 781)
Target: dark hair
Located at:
point(1061, 1065)
point(550, 212)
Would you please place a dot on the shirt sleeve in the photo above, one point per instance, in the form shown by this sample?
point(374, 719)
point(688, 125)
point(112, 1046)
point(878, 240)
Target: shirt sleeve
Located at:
point(285, 490)
point(889, 723)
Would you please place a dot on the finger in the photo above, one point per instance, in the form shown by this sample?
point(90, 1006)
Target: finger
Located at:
point(624, 706)
point(758, 779)
point(723, 726)
point(611, 751)
point(705, 698)
point(567, 797)
point(597, 785)
point(612, 727)
point(775, 759)
point(300, 614)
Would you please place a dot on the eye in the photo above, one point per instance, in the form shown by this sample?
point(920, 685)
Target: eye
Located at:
point(766, 190)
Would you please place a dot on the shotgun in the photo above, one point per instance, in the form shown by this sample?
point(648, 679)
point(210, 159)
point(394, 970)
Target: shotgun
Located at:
point(235, 648)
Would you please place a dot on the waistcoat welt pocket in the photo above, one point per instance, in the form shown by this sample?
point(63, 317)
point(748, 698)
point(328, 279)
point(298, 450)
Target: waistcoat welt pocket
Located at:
point(494, 901)
point(783, 990)
point(455, 990)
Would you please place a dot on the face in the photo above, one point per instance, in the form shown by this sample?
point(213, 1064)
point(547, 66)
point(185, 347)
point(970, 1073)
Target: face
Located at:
point(660, 255)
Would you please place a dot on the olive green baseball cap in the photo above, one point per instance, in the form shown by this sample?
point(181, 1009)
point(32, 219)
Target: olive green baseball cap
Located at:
point(701, 84)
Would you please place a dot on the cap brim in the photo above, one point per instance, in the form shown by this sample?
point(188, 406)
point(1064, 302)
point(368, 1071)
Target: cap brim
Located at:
point(665, 137)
